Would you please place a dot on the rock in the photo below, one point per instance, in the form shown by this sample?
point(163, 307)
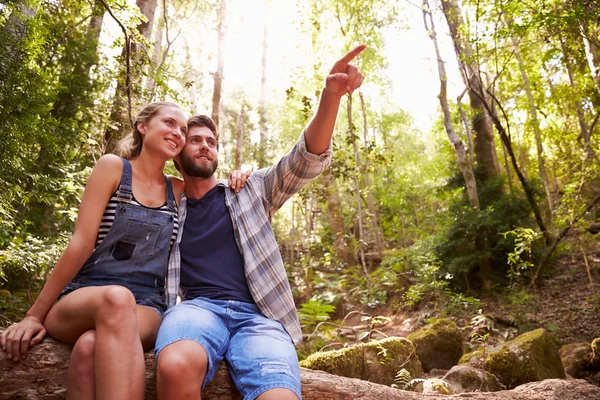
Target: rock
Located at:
point(437, 372)
point(437, 386)
point(5, 294)
point(575, 358)
point(529, 357)
point(439, 344)
point(473, 359)
point(376, 361)
point(463, 378)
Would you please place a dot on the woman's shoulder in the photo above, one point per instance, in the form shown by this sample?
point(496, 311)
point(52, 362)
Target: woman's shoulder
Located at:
point(109, 167)
point(110, 162)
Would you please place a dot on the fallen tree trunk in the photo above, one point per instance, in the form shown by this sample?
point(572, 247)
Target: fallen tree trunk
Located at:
point(43, 376)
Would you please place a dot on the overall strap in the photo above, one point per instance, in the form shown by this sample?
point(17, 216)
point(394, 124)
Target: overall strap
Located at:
point(170, 195)
point(125, 190)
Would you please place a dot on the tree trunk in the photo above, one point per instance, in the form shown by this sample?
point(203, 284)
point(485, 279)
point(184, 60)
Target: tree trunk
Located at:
point(218, 76)
point(463, 162)
point(43, 377)
point(485, 148)
point(120, 118)
point(335, 216)
point(262, 108)
point(373, 215)
point(359, 219)
point(239, 138)
point(535, 124)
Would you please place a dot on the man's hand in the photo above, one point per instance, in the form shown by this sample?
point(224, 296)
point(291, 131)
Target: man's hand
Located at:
point(344, 77)
point(18, 338)
point(237, 179)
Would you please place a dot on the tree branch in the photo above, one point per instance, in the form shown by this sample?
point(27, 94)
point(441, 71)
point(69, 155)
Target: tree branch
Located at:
point(127, 60)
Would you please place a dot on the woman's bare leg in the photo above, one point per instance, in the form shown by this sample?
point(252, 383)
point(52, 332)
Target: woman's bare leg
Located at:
point(81, 380)
point(119, 358)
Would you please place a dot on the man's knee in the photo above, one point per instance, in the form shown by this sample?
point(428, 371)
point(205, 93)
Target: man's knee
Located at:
point(278, 394)
point(182, 359)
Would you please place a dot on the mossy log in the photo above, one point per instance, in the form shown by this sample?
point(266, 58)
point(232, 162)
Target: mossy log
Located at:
point(43, 375)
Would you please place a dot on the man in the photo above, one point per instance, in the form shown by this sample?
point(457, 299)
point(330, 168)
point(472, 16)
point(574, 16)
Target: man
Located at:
point(237, 303)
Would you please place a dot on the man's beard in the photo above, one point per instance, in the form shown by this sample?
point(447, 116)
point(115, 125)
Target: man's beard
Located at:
point(195, 170)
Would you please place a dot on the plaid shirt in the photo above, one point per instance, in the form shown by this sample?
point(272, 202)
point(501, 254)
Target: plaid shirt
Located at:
point(251, 209)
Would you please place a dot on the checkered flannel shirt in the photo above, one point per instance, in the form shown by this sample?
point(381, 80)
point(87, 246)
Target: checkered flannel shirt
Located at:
point(251, 210)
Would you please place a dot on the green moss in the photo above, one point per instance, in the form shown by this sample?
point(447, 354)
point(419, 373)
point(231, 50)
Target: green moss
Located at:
point(439, 344)
point(466, 359)
point(5, 294)
point(440, 388)
point(529, 357)
point(376, 361)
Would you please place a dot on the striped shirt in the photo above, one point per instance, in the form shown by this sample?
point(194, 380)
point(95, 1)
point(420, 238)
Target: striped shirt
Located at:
point(251, 209)
point(109, 216)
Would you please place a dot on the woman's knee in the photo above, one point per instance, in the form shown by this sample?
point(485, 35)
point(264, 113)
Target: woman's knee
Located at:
point(116, 303)
point(84, 350)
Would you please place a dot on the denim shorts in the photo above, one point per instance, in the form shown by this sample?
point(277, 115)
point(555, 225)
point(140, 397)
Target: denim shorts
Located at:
point(260, 354)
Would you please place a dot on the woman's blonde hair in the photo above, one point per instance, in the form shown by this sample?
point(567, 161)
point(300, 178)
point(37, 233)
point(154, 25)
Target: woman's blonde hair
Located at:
point(131, 145)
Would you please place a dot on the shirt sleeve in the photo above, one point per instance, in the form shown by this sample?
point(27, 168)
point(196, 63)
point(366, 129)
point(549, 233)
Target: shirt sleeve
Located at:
point(291, 173)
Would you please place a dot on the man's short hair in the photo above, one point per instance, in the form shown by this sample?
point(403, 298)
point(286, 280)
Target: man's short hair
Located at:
point(203, 120)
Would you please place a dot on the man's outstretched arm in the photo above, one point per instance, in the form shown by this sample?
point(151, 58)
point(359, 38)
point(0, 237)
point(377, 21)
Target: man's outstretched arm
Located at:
point(342, 79)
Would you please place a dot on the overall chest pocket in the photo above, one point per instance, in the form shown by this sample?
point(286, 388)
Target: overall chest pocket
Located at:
point(140, 239)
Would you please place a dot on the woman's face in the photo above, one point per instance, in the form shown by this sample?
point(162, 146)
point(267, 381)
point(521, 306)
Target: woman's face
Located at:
point(165, 131)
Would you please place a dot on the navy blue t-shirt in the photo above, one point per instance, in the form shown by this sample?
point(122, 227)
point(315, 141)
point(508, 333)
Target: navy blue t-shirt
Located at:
point(211, 263)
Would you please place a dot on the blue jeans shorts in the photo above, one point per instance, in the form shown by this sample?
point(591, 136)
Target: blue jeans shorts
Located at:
point(259, 353)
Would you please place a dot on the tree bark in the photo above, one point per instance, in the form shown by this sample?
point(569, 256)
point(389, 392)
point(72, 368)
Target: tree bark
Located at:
point(218, 75)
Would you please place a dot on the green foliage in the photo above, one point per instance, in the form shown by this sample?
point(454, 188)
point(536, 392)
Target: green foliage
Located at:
point(519, 260)
point(404, 381)
point(474, 239)
point(313, 312)
point(27, 261)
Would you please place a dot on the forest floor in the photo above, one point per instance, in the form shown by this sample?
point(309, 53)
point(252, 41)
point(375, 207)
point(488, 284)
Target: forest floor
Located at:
point(566, 304)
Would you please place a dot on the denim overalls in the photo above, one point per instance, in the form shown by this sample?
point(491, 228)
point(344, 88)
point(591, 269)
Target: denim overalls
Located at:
point(135, 252)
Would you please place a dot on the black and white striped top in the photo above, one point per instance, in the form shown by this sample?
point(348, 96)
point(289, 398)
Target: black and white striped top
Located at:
point(109, 216)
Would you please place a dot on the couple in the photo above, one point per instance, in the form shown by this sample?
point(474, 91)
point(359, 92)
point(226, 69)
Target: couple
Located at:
point(222, 257)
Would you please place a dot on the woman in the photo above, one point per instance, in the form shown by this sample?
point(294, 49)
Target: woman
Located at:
point(111, 276)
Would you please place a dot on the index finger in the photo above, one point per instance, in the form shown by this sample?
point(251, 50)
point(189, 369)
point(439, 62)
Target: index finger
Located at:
point(353, 53)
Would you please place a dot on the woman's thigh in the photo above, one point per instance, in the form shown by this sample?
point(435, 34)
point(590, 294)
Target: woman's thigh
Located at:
point(76, 313)
point(149, 321)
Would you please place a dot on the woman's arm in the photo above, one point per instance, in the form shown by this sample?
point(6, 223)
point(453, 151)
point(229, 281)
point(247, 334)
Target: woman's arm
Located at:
point(102, 183)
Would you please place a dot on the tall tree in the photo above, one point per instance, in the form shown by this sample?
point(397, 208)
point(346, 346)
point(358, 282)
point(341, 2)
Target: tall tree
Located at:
point(262, 108)
point(485, 148)
point(463, 161)
point(218, 75)
point(129, 81)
